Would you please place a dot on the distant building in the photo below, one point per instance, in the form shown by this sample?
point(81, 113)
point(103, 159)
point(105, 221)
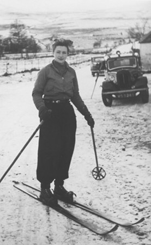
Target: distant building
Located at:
point(125, 48)
point(145, 52)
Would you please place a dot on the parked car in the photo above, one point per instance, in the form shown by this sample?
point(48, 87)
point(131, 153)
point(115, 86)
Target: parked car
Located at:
point(124, 79)
point(97, 66)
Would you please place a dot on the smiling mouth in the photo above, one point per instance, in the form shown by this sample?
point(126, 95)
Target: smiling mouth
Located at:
point(60, 59)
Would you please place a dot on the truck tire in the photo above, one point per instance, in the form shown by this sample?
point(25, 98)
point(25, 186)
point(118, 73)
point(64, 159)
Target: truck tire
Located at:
point(107, 100)
point(144, 96)
point(141, 82)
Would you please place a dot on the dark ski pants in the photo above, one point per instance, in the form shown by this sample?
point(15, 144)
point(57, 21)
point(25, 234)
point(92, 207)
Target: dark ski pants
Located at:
point(56, 144)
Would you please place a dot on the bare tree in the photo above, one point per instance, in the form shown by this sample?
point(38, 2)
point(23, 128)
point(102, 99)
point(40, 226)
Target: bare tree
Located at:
point(138, 31)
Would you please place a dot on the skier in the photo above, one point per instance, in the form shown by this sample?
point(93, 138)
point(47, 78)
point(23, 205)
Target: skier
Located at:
point(54, 90)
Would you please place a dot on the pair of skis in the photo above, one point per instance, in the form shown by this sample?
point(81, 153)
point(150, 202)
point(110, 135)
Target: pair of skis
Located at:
point(31, 191)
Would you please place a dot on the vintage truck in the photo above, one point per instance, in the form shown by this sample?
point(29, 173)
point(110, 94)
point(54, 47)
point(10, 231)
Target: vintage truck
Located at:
point(124, 78)
point(97, 66)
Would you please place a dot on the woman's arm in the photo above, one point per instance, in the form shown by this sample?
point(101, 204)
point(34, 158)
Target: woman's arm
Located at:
point(38, 90)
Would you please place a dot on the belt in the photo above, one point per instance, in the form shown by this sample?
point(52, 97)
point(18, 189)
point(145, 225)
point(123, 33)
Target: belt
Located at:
point(57, 101)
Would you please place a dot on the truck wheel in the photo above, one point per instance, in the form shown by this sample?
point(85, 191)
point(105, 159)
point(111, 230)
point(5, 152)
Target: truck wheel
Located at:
point(107, 100)
point(144, 96)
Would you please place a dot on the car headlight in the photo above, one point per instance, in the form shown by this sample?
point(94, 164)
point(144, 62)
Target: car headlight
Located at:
point(112, 77)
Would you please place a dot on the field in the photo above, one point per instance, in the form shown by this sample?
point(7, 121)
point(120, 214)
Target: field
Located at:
point(84, 27)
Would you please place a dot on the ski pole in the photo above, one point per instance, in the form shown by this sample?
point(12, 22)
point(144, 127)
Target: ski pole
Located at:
point(98, 172)
point(33, 134)
point(101, 64)
point(94, 86)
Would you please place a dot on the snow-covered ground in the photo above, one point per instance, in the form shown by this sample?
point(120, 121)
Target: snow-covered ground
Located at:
point(122, 135)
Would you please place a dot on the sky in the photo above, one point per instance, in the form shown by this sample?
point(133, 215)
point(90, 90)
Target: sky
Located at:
point(63, 5)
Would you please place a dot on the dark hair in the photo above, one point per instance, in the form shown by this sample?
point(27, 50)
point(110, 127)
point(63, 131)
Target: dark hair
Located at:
point(60, 42)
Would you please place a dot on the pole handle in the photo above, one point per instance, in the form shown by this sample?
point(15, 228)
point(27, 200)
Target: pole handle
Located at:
point(23, 148)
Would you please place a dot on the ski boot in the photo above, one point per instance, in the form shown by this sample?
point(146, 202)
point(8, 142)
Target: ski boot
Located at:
point(63, 194)
point(48, 198)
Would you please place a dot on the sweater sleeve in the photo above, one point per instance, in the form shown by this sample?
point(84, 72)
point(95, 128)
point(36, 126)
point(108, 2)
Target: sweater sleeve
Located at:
point(38, 90)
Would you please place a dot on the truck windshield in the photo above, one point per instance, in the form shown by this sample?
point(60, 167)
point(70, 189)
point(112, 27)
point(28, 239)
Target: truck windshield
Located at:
point(122, 62)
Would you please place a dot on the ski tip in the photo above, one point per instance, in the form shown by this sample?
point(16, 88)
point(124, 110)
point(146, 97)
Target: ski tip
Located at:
point(133, 223)
point(15, 182)
point(140, 220)
point(114, 228)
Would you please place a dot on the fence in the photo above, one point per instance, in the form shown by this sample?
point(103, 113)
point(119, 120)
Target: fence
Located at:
point(11, 66)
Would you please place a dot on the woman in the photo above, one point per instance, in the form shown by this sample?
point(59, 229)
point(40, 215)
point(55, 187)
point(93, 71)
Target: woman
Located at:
point(56, 86)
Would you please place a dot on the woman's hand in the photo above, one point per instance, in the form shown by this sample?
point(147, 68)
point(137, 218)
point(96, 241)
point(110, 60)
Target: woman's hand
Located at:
point(90, 121)
point(44, 113)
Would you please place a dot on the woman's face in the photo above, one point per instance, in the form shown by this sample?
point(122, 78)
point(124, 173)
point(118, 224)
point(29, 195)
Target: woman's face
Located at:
point(60, 54)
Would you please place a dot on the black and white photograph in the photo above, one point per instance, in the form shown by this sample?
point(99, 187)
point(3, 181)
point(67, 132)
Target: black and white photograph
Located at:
point(75, 122)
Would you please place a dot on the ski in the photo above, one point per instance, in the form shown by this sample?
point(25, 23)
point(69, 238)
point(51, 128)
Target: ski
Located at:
point(107, 217)
point(67, 213)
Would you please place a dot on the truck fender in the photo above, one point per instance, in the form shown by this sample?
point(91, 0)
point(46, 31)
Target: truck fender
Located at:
point(108, 86)
point(141, 82)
